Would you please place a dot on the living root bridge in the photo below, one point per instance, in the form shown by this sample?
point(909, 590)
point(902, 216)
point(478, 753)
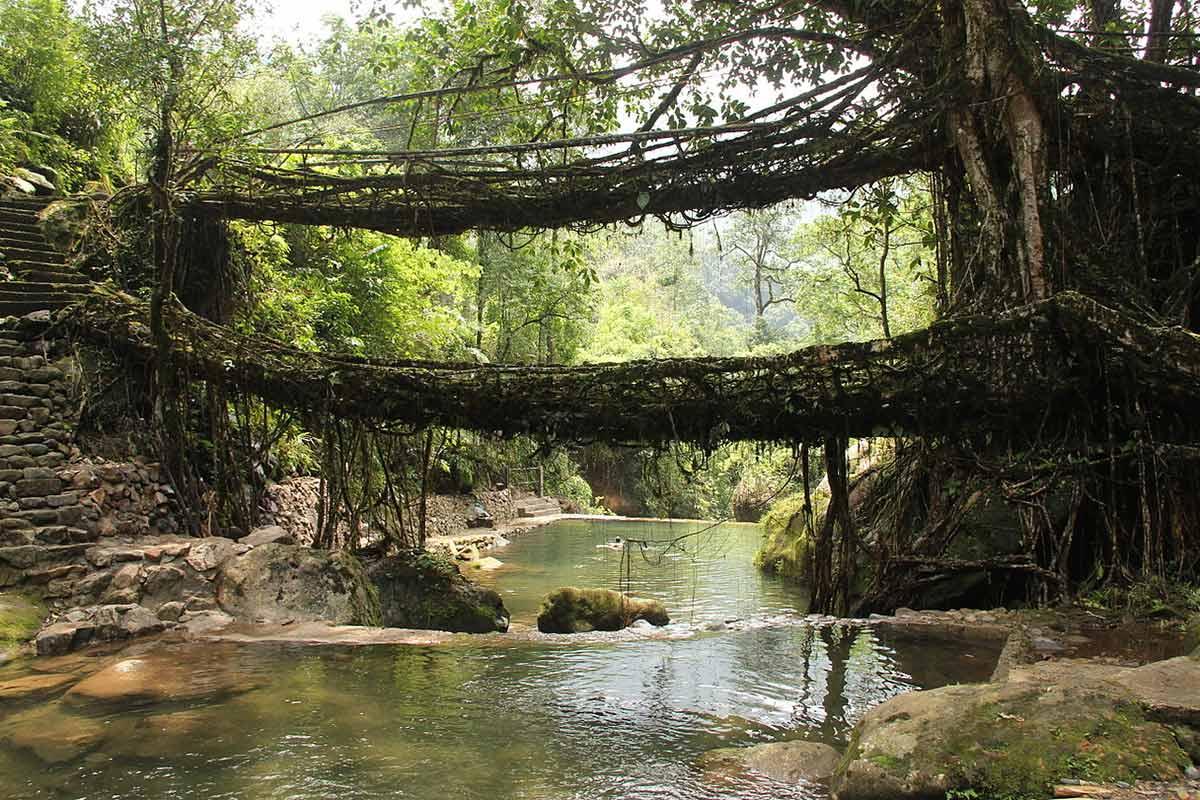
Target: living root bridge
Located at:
point(1044, 367)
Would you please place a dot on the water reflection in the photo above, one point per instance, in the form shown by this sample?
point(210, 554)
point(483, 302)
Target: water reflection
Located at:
point(505, 718)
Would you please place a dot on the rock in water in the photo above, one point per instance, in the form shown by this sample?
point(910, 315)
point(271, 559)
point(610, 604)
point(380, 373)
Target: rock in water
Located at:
point(280, 582)
point(160, 677)
point(423, 590)
point(572, 610)
point(1017, 739)
point(786, 762)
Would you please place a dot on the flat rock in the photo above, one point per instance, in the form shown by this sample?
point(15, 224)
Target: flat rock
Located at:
point(201, 623)
point(786, 762)
point(268, 534)
point(157, 677)
point(319, 633)
point(210, 553)
point(52, 734)
point(33, 687)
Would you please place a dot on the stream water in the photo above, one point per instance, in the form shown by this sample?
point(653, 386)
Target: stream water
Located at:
point(521, 715)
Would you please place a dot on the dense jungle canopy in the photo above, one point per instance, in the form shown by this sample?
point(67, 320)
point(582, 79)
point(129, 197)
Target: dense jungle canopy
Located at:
point(1024, 174)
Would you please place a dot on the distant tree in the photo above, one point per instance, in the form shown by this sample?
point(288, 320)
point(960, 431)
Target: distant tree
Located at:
point(759, 243)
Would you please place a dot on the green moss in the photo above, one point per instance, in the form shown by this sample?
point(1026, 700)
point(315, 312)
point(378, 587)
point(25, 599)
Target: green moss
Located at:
point(573, 610)
point(891, 763)
point(20, 619)
point(785, 546)
point(1013, 760)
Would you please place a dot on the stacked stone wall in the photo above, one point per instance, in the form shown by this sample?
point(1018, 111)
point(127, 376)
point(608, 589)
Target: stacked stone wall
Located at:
point(54, 503)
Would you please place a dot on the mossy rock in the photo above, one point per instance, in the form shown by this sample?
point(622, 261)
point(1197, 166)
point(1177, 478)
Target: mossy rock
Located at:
point(1010, 740)
point(20, 619)
point(423, 590)
point(572, 610)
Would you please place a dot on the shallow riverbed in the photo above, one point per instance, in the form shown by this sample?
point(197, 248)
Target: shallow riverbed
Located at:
point(500, 716)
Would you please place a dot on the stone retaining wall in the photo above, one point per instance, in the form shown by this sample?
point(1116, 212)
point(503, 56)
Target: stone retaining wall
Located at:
point(292, 505)
point(54, 504)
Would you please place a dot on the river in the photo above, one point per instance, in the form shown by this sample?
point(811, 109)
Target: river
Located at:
point(518, 715)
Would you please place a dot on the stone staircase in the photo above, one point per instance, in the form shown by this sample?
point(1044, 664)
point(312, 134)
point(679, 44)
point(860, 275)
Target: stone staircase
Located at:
point(44, 528)
point(537, 507)
point(39, 278)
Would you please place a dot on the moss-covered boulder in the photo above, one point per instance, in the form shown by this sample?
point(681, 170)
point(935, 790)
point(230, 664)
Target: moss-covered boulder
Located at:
point(280, 583)
point(20, 618)
point(425, 590)
point(1016, 739)
point(572, 610)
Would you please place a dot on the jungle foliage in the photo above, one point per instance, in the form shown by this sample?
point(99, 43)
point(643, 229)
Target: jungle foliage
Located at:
point(1002, 176)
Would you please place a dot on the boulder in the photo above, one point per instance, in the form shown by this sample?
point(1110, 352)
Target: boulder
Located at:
point(268, 534)
point(423, 590)
point(786, 762)
point(572, 610)
point(41, 183)
point(12, 187)
point(1018, 738)
point(280, 583)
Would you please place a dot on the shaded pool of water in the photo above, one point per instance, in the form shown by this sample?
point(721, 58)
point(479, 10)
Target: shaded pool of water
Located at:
point(495, 716)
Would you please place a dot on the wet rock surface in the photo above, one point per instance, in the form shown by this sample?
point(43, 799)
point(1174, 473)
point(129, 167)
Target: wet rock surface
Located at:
point(786, 762)
point(573, 610)
point(155, 678)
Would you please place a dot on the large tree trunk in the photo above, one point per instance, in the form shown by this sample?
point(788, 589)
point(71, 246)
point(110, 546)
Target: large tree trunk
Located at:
point(999, 132)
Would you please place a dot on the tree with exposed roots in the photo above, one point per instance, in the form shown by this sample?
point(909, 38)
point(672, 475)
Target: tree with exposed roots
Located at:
point(1062, 148)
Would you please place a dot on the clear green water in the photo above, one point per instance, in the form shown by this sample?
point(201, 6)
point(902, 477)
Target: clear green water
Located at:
point(501, 716)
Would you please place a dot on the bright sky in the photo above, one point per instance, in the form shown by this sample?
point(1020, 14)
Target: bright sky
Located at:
point(300, 20)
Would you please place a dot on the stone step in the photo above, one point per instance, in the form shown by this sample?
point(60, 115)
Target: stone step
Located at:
point(45, 274)
point(44, 287)
point(537, 507)
point(30, 555)
point(9, 218)
point(19, 308)
point(37, 203)
point(22, 227)
point(22, 292)
point(11, 238)
point(43, 255)
point(19, 290)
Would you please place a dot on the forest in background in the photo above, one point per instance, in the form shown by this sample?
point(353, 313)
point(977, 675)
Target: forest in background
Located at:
point(853, 267)
point(1034, 164)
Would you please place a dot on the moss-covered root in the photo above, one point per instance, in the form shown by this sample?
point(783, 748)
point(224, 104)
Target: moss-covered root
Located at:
point(20, 619)
point(573, 610)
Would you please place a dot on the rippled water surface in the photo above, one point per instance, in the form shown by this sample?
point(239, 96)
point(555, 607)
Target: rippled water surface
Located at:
point(516, 716)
